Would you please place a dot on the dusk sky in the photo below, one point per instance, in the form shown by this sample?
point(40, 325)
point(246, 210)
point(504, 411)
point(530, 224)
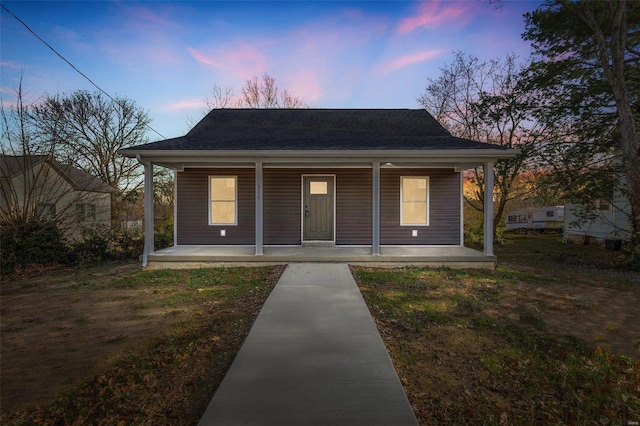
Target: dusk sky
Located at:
point(167, 55)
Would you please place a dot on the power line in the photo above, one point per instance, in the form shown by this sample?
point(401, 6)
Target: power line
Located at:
point(70, 64)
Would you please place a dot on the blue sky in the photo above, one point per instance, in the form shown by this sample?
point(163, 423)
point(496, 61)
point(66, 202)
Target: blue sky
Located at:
point(167, 55)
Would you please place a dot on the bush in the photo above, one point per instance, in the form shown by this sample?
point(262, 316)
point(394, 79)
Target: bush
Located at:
point(126, 245)
point(25, 242)
point(162, 240)
point(474, 236)
point(93, 245)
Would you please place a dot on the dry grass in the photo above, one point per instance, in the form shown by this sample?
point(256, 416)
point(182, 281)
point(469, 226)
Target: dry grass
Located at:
point(551, 337)
point(113, 345)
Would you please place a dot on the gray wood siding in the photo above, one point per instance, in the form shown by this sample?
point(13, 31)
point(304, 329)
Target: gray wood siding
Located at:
point(192, 200)
point(353, 210)
point(444, 208)
point(282, 205)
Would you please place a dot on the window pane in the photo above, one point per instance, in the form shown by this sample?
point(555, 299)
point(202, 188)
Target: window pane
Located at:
point(223, 212)
point(414, 213)
point(604, 205)
point(223, 189)
point(318, 188)
point(414, 189)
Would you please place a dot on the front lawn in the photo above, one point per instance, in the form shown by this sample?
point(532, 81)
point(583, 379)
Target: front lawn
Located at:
point(113, 345)
point(551, 337)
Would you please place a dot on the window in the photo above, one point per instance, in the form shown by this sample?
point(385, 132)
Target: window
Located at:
point(414, 200)
point(223, 200)
point(86, 212)
point(602, 205)
point(549, 213)
point(46, 211)
point(318, 188)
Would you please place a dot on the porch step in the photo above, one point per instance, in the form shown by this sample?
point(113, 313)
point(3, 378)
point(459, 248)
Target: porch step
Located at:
point(318, 244)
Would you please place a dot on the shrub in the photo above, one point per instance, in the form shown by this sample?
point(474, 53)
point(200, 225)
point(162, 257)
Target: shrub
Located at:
point(24, 242)
point(474, 236)
point(93, 245)
point(163, 240)
point(126, 245)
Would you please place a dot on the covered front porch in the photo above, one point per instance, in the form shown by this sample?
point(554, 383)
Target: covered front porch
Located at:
point(197, 256)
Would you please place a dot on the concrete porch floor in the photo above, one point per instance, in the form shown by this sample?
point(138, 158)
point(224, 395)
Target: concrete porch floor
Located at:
point(192, 256)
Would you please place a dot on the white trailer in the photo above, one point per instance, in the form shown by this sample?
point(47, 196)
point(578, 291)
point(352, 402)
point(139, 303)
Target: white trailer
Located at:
point(539, 219)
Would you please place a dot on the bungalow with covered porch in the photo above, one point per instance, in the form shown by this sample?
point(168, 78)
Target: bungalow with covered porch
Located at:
point(257, 186)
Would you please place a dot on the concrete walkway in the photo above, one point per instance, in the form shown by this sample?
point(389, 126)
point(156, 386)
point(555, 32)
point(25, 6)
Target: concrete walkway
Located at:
point(313, 357)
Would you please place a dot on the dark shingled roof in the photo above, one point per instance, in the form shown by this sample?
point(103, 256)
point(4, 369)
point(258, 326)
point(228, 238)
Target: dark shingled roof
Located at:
point(315, 129)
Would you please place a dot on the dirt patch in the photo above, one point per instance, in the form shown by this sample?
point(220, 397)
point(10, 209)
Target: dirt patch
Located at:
point(50, 342)
point(114, 335)
point(602, 317)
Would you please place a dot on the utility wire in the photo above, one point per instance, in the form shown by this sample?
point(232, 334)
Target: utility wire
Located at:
point(69, 63)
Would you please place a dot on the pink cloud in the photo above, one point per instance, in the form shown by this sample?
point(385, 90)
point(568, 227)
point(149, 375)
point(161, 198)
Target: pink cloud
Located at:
point(303, 83)
point(407, 60)
point(184, 104)
point(244, 60)
point(431, 15)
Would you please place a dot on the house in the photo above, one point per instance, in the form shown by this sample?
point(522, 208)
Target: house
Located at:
point(280, 185)
point(603, 221)
point(40, 187)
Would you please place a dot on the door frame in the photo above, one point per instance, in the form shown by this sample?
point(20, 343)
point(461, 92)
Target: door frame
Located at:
point(302, 178)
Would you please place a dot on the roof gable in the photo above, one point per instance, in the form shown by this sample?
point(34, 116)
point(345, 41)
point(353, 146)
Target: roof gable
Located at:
point(15, 165)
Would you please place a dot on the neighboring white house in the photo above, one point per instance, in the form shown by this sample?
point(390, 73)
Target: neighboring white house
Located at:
point(602, 222)
point(40, 187)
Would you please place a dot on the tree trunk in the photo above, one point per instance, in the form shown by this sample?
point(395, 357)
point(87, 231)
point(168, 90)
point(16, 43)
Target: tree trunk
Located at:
point(614, 72)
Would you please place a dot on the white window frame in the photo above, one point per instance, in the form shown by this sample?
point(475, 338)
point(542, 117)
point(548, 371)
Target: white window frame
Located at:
point(402, 178)
point(235, 222)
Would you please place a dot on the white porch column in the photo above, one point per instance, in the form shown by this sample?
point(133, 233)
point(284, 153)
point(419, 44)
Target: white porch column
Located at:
point(259, 210)
point(148, 213)
point(375, 210)
point(175, 207)
point(488, 209)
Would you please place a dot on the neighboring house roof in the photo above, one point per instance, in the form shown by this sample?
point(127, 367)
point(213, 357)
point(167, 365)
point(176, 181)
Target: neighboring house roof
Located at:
point(314, 129)
point(15, 165)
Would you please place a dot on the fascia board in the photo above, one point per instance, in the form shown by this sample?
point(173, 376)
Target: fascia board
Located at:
point(194, 156)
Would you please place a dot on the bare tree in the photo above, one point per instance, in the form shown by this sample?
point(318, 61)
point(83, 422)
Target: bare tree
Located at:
point(35, 186)
point(266, 94)
point(485, 101)
point(88, 129)
point(220, 98)
point(256, 93)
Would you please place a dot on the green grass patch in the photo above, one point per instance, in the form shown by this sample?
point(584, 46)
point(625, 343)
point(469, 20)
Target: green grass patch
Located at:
point(471, 348)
